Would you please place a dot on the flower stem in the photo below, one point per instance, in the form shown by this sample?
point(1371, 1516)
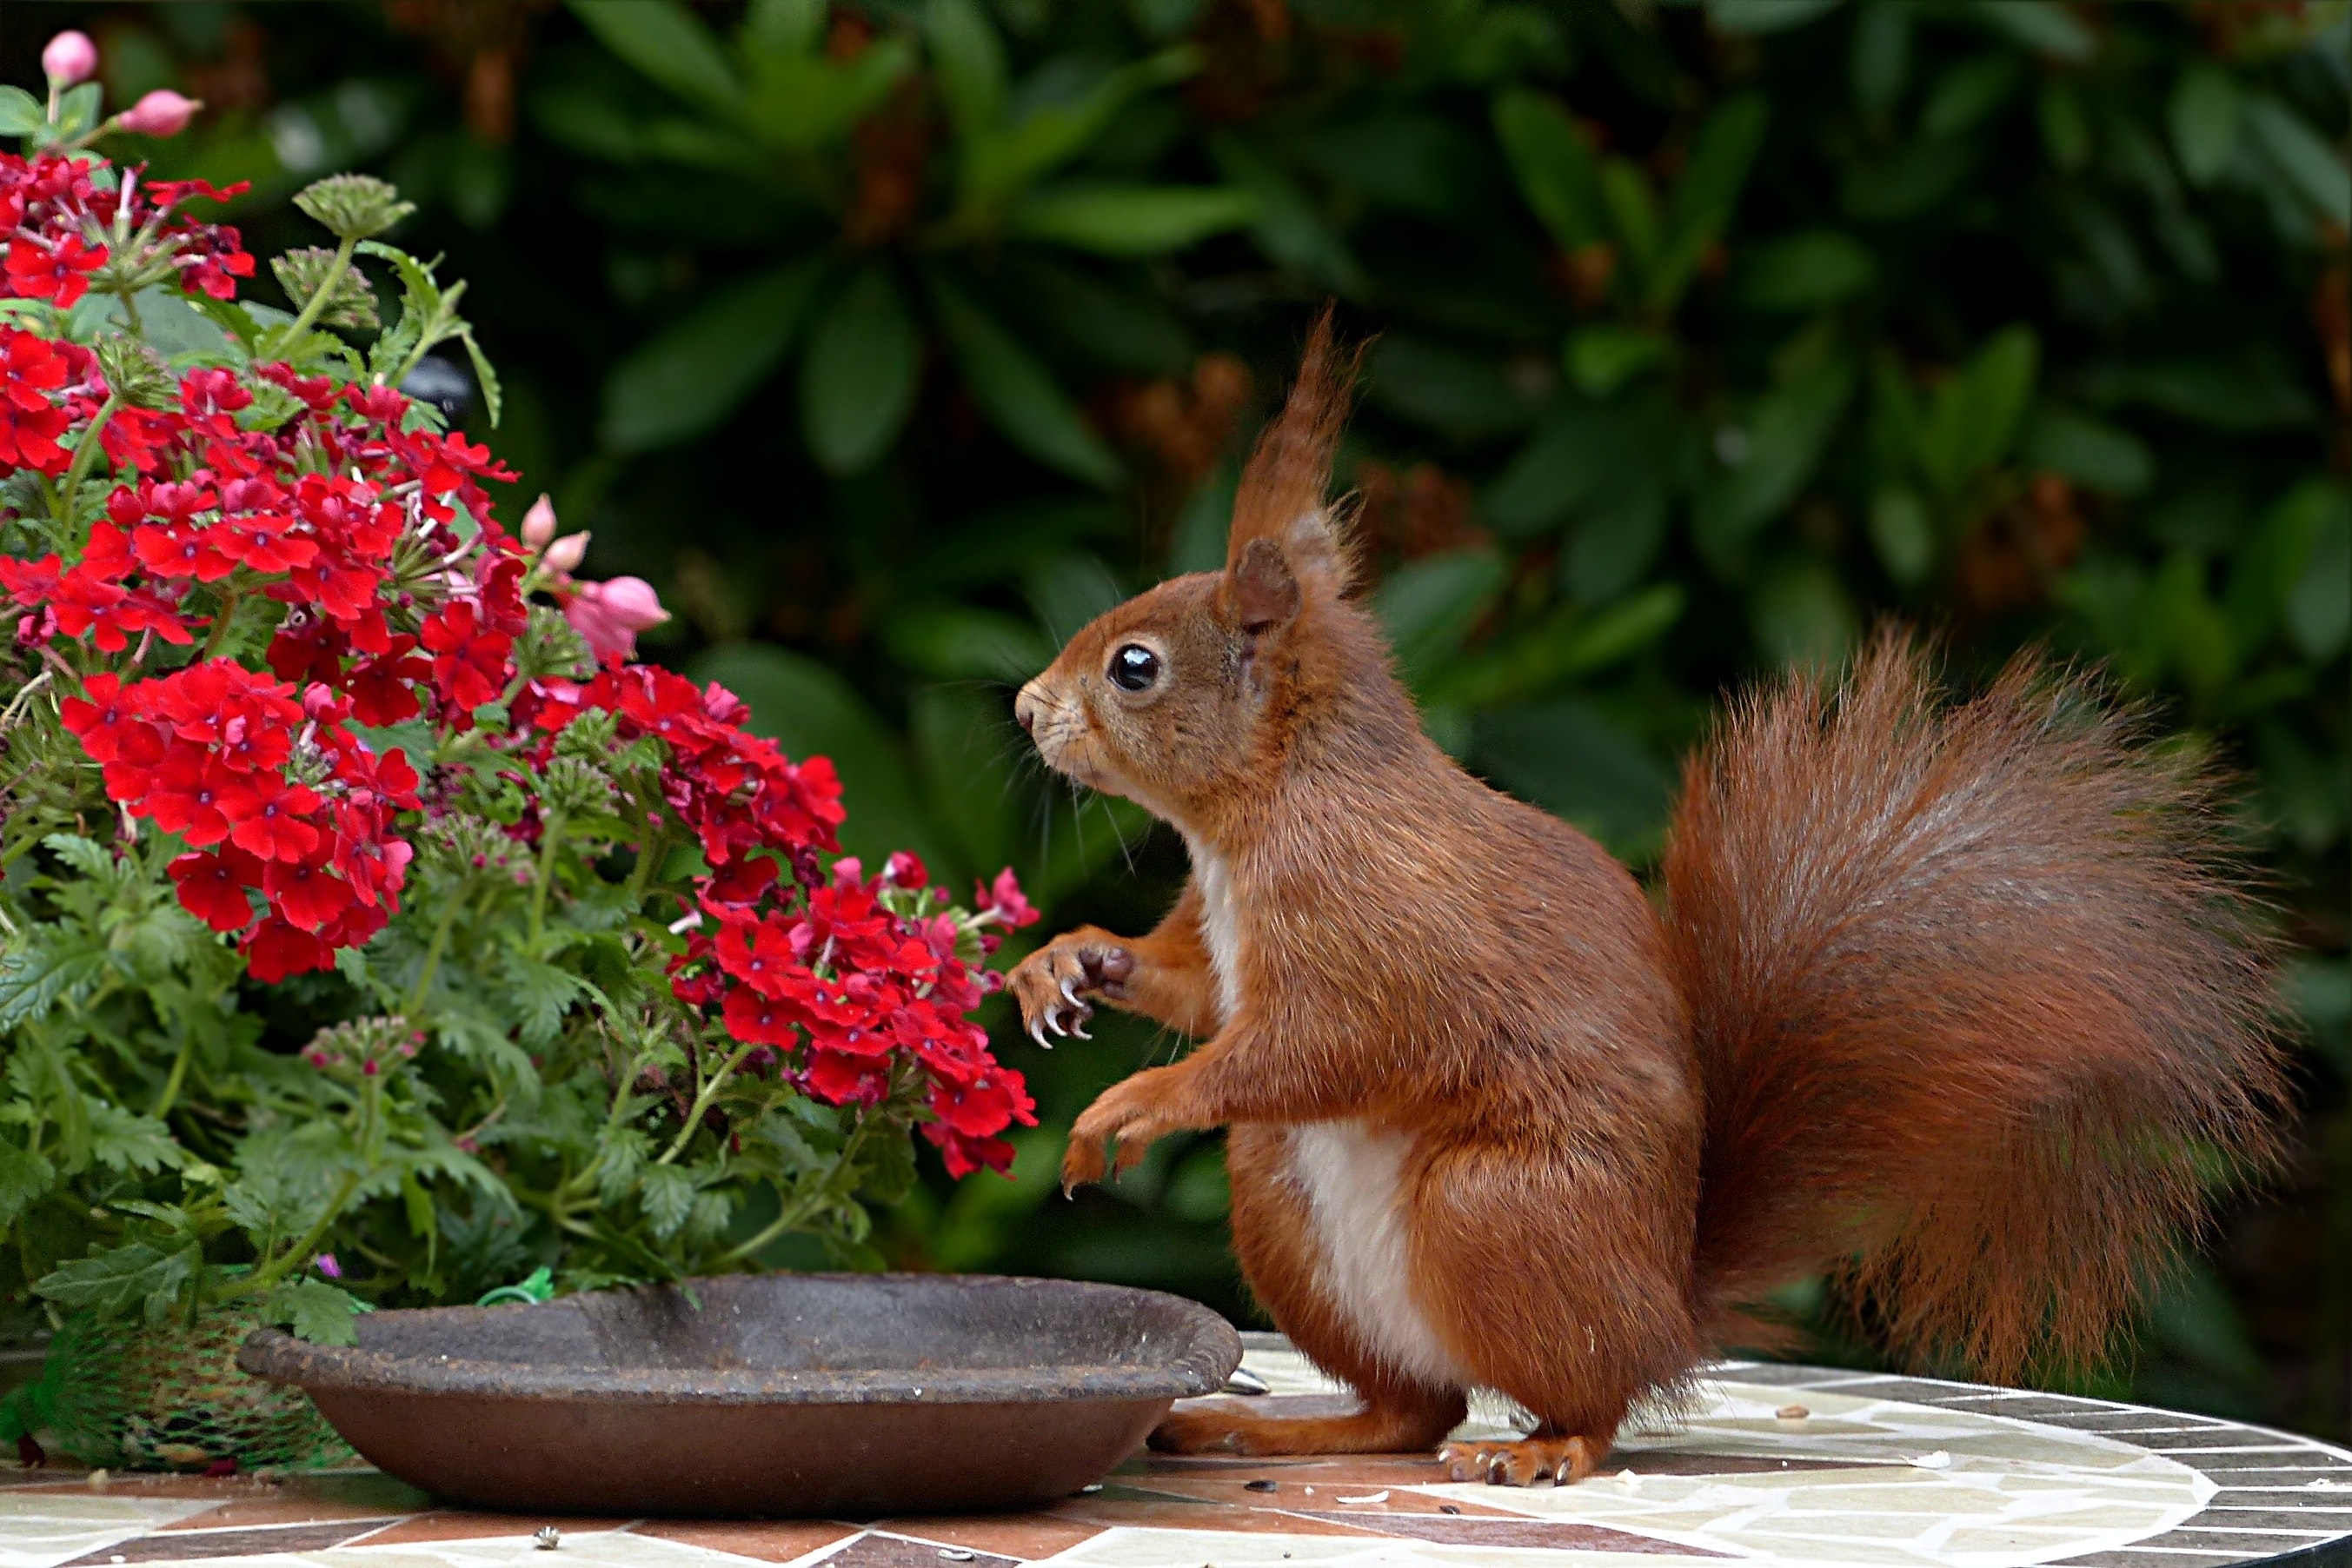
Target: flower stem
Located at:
point(551, 839)
point(172, 1085)
point(415, 1008)
point(85, 452)
point(262, 1278)
point(702, 1103)
point(291, 333)
point(793, 1215)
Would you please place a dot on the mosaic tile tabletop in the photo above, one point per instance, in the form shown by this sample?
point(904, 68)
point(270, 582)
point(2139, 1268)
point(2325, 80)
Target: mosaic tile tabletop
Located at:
point(1768, 1465)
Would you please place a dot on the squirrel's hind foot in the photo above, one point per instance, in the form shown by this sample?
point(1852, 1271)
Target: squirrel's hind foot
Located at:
point(1523, 1461)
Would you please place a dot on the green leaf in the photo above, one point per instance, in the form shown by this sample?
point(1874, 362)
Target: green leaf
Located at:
point(1566, 757)
point(538, 993)
point(1902, 534)
point(1575, 446)
point(1973, 420)
point(1602, 359)
point(1463, 394)
point(1704, 199)
point(125, 1141)
point(113, 1281)
point(21, 113)
point(2040, 26)
point(2319, 610)
point(969, 59)
point(2087, 450)
point(2204, 120)
point(1880, 60)
point(811, 711)
point(1778, 446)
point(2312, 168)
point(1428, 606)
point(1017, 395)
point(1290, 228)
point(858, 379)
point(1130, 220)
point(315, 1310)
point(1556, 171)
point(24, 1176)
point(1804, 271)
point(1801, 615)
point(696, 370)
point(960, 643)
point(1970, 93)
point(38, 972)
point(668, 44)
point(667, 1196)
point(1765, 16)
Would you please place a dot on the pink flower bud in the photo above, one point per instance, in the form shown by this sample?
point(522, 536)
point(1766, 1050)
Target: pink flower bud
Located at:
point(328, 1266)
point(848, 872)
point(905, 870)
point(566, 554)
point(611, 614)
point(161, 112)
point(538, 523)
point(71, 57)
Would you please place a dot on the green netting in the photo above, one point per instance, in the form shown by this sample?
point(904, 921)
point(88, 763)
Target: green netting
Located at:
point(121, 1395)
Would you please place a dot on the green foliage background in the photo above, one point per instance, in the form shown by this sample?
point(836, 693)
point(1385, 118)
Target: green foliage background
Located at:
point(893, 340)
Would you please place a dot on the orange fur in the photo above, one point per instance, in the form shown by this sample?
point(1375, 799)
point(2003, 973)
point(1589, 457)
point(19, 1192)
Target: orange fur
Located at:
point(1943, 997)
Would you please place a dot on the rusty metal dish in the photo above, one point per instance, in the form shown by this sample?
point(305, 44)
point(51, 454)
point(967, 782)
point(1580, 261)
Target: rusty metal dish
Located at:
point(770, 1395)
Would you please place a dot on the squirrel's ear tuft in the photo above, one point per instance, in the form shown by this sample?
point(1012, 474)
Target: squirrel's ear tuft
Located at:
point(1281, 493)
point(1259, 591)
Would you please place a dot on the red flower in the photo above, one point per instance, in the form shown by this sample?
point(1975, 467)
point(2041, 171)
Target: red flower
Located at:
point(304, 893)
point(212, 891)
point(265, 816)
point(109, 725)
point(180, 796)
point(469, 663)
point(60, 274)
point(30, 369)
point(758, 1020)
point(1004, 901)
point(275, 950)
point(759, 954)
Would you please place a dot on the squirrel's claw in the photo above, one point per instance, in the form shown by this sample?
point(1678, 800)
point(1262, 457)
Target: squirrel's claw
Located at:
point(1037, 1033)
point(1080, 1010)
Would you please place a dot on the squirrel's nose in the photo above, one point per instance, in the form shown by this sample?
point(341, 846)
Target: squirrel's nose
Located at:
point(1024, 710)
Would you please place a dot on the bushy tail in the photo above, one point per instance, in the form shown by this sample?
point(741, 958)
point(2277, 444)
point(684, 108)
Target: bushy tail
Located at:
point(1980, 999)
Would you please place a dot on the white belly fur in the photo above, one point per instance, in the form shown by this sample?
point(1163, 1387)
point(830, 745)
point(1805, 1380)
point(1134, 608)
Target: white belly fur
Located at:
point(1351, 1177)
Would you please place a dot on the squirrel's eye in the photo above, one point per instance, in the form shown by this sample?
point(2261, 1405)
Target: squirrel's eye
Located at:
point(1133, 668)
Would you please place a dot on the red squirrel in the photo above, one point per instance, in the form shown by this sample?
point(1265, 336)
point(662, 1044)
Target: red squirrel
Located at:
point(1953, 1002)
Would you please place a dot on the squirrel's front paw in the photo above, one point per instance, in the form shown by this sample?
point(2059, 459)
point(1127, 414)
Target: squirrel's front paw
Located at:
point(1130, 1113)
point(1052, 984)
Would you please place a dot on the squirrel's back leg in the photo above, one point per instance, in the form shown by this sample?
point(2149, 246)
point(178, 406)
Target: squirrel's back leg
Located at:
point(1559, 1282)
point(1274, 1236)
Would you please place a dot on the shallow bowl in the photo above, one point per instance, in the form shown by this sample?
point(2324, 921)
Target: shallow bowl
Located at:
point(771, 1395)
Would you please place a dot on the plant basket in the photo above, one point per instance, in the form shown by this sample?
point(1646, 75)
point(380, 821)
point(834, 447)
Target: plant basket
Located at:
point(117, 1394)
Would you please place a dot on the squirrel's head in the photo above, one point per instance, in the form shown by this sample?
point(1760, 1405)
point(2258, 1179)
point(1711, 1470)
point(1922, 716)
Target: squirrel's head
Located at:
point(1184, 698)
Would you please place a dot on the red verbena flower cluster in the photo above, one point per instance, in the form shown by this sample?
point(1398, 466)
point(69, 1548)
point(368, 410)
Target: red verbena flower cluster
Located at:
point(66, 223)
point(265, 579)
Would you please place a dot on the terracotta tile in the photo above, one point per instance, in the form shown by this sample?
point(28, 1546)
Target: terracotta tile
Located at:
point(1026, 1536)
point(1292, 1495)
point(287, 1507)
point(462, 1524)
point(873, 1550)
point(760, 1539)
point(184, 1546)
point(1165, 1512)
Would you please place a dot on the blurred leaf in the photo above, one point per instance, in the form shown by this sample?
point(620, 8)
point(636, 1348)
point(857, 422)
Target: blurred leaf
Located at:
point(958, 642)
point(2204, 121)
point(1429, 606)
point(692, 375)
point(1905, 181)
point(2316, 170)
point(970, 755)
point(2041, 25)
point(1805, 271)
point(1132, 328)
point(1973, 418)
point(1198, 542)
point(799, 101)
point(1704, 199)
point(1779, 443)
point(2181, 629)
point(1567, 758)
point(810, 711)
point(2271, 565)
point(1615, 538)
point(1131, 220)
point(1970, 93)
point(2251, 392)
point(21, 113)
point(669, 44)
point(1902, 533)
point(1631, 203)
point(1434, 384)
point(1017, 394)
point(1289, 227)
point(859, 378)
point(1000, 161)
point(1574, 448)
point(1880, 61)
point(2088, 451)
point(1068, 591)
point(969, 58)
point(1803, 615)
point(1556, 171)
point(2066, 124)
point(2319, 611)
point(1765, 16)
point(1602, 359)
point(2321, 994)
